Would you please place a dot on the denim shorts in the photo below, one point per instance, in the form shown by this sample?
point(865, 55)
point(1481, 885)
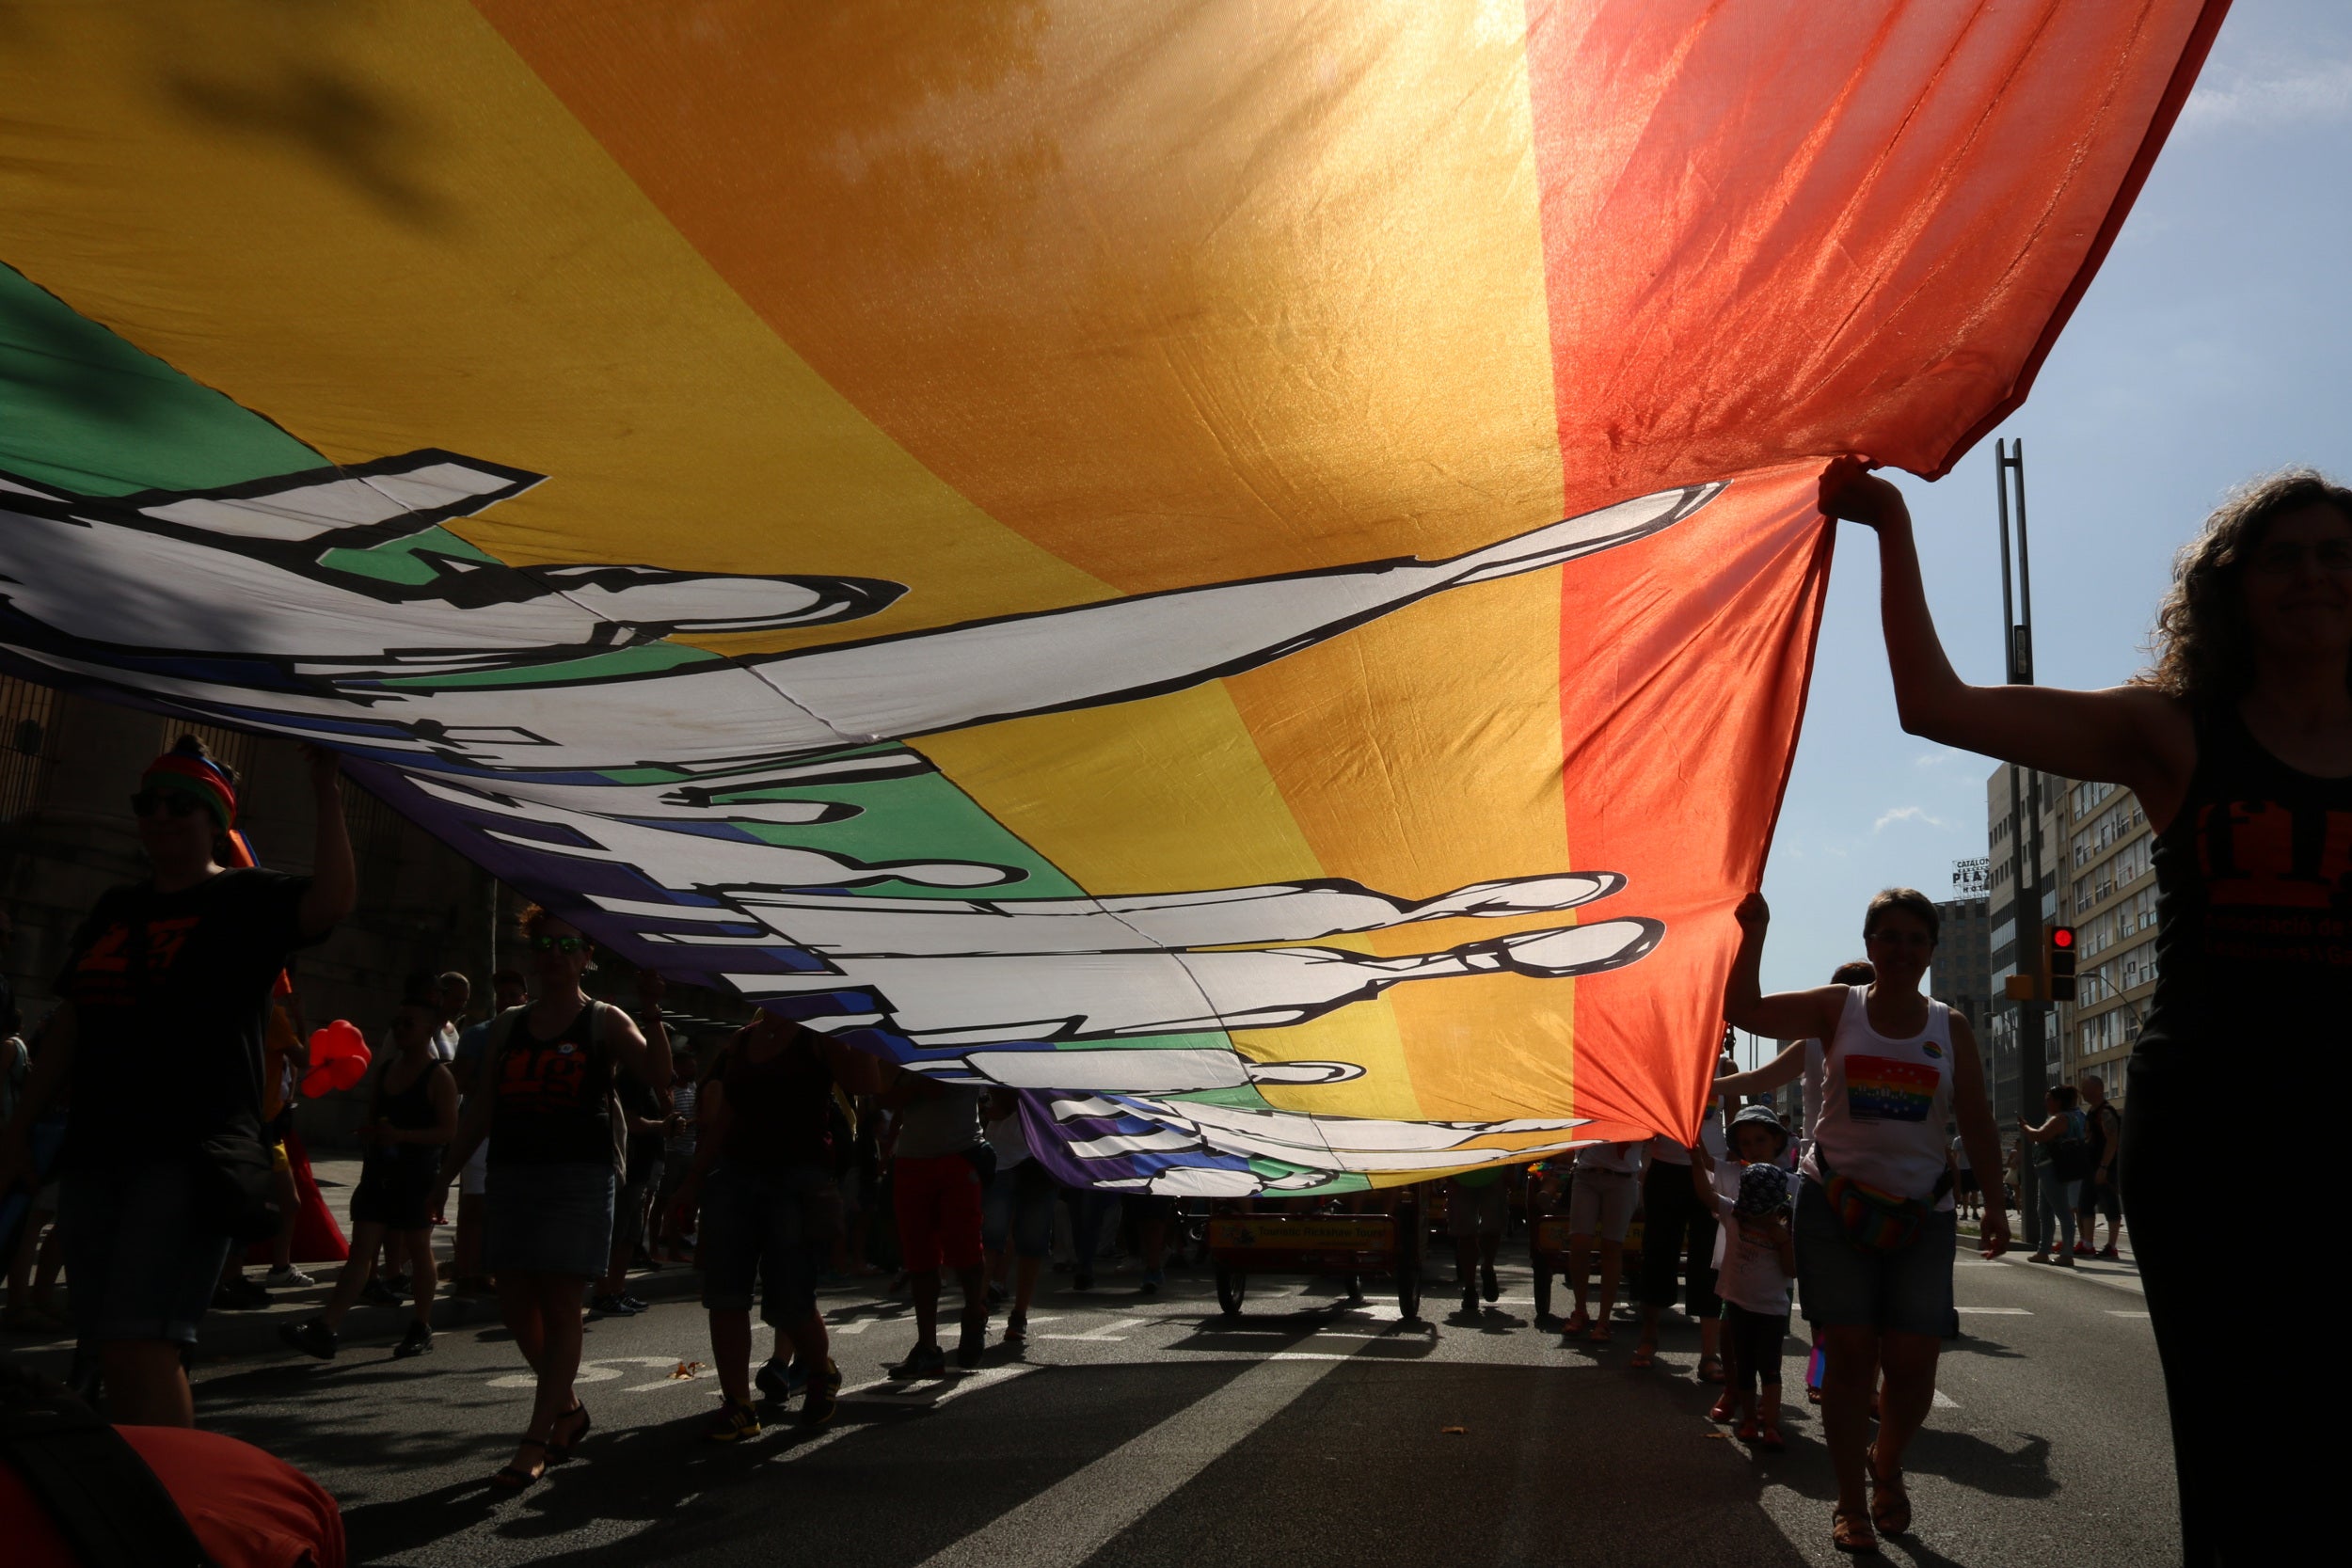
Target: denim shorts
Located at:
point(549, 1219)
point(140, 1265)
point(1019, 1208)
point(1905, 1292)
point(771, 1225)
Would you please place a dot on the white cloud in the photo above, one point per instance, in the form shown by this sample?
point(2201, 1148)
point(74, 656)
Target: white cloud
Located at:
point(2300, 93)
point(1907, 814)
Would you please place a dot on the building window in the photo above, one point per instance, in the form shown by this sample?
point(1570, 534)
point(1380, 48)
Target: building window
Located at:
point(28, 711)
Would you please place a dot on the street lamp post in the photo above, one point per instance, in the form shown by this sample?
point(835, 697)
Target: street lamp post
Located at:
point(2024, 810)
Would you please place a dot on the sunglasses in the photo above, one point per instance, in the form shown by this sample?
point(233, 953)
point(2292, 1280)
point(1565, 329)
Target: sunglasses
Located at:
point(147, 802)
point(559, 945)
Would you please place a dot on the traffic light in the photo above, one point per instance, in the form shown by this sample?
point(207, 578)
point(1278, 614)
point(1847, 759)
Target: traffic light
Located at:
point(2062, 966)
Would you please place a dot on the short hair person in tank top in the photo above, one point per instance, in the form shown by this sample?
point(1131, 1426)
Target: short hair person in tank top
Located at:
point(1874, 1317)
point(2238, 743)
point(413, 1114)
point(541, 1304)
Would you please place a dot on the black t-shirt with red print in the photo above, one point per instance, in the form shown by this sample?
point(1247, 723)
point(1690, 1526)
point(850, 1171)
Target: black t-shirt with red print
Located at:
point(171, 999)
point(2254, 879)
point(554, 1102)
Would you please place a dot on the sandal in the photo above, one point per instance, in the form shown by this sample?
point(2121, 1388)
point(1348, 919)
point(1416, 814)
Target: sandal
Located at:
point(1768, 1437)
point(1746, 1430)
point(1711, 1368)
point(1725, 1408)
point(1577, 1323)
point(1597, 1334)
point(1850, 1534)
point(559, 1452)
point(514, 1479)
point(1644, 1356)
point(1890, 1502)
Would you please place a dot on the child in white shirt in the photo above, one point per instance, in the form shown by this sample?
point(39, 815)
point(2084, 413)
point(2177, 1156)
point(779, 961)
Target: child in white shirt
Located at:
point(1760, 1261)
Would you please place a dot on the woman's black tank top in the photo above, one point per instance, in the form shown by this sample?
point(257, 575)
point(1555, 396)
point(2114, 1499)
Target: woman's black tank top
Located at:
point(410, 1108)
point(2254, 906)
point(554, 1097)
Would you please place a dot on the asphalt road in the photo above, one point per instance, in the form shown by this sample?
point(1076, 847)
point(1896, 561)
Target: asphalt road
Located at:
point(1144, 1430)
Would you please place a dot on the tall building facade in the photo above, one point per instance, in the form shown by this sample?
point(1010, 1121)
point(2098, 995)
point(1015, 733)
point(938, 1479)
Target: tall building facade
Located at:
point(2001, 1031)
point(2098, 877)
point(2111, 903)
point(1962, 976)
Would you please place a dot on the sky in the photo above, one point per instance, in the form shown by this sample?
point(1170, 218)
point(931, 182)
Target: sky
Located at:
point(2215, 345)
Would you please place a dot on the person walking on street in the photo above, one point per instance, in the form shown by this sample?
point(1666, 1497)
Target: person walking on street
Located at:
point(1678, 1236)
point(1802, 1057)
point(1017, 1219)
point(2238, 744)
point(1759, 1262)
point(762, 1180)
point(467, 1275)
point(936, 1180)
point(166, 994)
point(2063, 1154)
point(1601, 1196)
point(1477, 1209)
point(544, 1101)
point(1874, 1226)
point(2104, 1127)
point(411, 1118)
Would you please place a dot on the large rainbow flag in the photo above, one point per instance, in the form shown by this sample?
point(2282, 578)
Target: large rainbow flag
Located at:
point(1248, 569)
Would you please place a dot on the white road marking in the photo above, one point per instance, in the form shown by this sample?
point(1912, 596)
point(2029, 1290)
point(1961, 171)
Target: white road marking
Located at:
point(834, 1434)
point(2123, 1312)
point(1101, 1334)
point(1998, 1311)
point(1944, 1401)
point(1071, 1520)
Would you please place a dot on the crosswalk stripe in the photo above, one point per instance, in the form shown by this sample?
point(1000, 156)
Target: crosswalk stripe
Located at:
point(2123, 1312)
point(1071, 1520)
point(1998, 1311)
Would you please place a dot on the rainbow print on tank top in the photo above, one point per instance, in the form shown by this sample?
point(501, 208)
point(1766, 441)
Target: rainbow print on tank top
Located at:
point(1881, 1089)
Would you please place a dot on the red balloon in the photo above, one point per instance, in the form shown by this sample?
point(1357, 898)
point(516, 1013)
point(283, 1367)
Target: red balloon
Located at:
point(339, 1059)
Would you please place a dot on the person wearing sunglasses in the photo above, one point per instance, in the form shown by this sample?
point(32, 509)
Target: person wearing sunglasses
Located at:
point(545, 1099)
point(166, 995)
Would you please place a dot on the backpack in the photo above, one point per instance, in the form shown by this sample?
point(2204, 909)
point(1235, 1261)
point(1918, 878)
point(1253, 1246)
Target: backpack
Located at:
point(2071, 1159)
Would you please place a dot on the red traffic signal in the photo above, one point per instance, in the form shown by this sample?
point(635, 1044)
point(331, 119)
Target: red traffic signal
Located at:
point(2062, 969)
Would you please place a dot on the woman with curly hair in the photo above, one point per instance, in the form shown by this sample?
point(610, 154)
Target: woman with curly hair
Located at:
point(2238, 743)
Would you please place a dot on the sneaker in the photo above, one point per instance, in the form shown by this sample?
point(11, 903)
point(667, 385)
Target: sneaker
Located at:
point(1153, 1280)
point(375, 1292)
point(287, 1278)
point(311, 1339)
point(415, 1342)
point(1017, 1330)
point(634, 1305)
point(2083, 1249)
point(824, 1396)
point(972, 1341)
point(773, 1381)
point(613, 1307)
point(923, 1361)
point(733, 1423)
point(1487, 1285)
point(2064, 1261)
point(997, 1295)
point(398, 1283)
point(2109, 1253)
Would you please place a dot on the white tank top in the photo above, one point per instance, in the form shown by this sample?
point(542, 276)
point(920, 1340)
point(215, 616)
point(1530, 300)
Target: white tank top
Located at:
point(1884, 1103)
